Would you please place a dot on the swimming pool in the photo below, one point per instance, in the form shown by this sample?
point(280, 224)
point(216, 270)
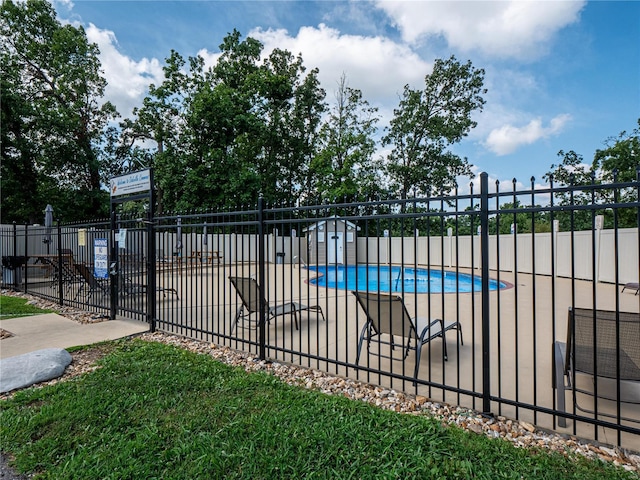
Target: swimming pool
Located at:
point(382, 278)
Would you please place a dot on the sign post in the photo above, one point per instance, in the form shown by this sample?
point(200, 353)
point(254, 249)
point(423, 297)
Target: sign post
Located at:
point(125, 188)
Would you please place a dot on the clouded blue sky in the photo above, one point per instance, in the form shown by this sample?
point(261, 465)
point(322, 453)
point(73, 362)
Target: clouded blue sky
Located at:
point(560, 75)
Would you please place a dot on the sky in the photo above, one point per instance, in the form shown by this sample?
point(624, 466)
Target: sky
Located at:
point(560, 75)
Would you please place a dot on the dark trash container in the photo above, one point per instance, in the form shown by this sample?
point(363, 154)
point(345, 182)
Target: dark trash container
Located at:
point(12, 269)
point(280, 258)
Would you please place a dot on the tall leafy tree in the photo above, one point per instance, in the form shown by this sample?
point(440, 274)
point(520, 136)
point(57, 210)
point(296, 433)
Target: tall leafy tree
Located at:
point(246, 127)
point(427, 123)
point(289, 107)
point(53, 117)
point(344, 168)
point(619, 161)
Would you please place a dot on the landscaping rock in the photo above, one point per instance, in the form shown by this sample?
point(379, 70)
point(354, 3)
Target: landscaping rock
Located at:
point(34, 367)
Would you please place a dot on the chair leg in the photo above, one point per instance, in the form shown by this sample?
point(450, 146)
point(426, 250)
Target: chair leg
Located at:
point(558, 380)
point(80, 290)
point(238, 315)
point(444, 340)
point(417, 367)
point(444, 347)
point(295, 317)
point(362, 335)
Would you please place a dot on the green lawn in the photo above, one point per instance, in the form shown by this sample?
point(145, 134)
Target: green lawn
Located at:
point(157, 411)
point(11, 307)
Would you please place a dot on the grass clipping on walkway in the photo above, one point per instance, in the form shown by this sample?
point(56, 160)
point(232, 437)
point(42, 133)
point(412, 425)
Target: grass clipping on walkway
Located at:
point(157, 411)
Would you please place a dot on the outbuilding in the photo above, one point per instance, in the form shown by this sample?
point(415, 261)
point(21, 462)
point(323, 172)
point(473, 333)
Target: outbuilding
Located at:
point(331, 241)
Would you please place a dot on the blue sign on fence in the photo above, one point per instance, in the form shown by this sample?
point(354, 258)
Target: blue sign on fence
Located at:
point(101, 258)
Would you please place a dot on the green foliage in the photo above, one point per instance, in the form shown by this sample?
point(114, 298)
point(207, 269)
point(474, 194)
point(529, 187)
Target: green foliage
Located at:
point(243, 128)
point(52, 118)
point(156, 411)
point(427, 122)
point(619, 161)
point(344, 170)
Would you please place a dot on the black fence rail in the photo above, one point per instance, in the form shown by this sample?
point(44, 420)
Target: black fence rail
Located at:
point(467, 299)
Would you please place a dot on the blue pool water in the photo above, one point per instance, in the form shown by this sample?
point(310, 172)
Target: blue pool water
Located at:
point(382, 278)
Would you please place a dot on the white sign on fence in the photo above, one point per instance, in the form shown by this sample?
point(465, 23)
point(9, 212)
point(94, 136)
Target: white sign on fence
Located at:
point(101, 258)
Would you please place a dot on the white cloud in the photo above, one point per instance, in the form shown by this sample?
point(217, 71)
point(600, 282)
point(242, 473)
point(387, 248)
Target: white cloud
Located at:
point(507, 139)
point(377, 66)
point(127, 79)
point(498, 28)
point(210, 59)
point(68, 4)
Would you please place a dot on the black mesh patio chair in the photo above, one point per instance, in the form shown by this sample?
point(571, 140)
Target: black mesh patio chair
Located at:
point(89, 281)
point(632, 286)
point(387, 315)
point(609, 355)
point(249, 293)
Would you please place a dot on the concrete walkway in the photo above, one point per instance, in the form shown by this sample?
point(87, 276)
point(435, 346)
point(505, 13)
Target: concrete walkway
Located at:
point(55, 331)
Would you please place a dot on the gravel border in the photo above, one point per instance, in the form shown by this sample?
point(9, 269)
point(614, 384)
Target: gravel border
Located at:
point(521, 434)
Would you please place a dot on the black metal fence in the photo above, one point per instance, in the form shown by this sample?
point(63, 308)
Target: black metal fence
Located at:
point(278, 280)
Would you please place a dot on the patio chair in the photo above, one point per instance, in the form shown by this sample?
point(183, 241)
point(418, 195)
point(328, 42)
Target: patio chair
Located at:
point(60, 267)
point(249, 293)
point(598, 358)
point(388, 315)
point(631, 286)
point(88, 280)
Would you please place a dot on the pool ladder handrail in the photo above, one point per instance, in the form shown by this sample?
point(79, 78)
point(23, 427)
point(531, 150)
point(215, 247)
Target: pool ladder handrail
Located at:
point(398, 277)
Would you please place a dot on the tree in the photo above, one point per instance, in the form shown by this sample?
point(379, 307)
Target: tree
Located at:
point(290, 107)
point(522, 222)
point(619, 161)
point(243, 128)
point(157, 136)
point(427, 122)
point(344, 169)
point(53, 119)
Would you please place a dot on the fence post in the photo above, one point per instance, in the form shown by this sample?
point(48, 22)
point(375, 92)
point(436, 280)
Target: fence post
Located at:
point(151, 275)
point(15, 254)
point(486, 324)
point(26, 254)
point(15, 239)
point(261, 280)
point(60, 267)
point(113, 267)
point(151, 259)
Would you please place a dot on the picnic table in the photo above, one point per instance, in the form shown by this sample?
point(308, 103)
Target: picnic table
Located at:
point(206, 257)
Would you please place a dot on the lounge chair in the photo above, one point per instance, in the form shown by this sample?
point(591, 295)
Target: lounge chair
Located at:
point(387, 314)
point(88, 280)
point(61, 267)
point(598, 358)
point(632, 286)
point(249, 293)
